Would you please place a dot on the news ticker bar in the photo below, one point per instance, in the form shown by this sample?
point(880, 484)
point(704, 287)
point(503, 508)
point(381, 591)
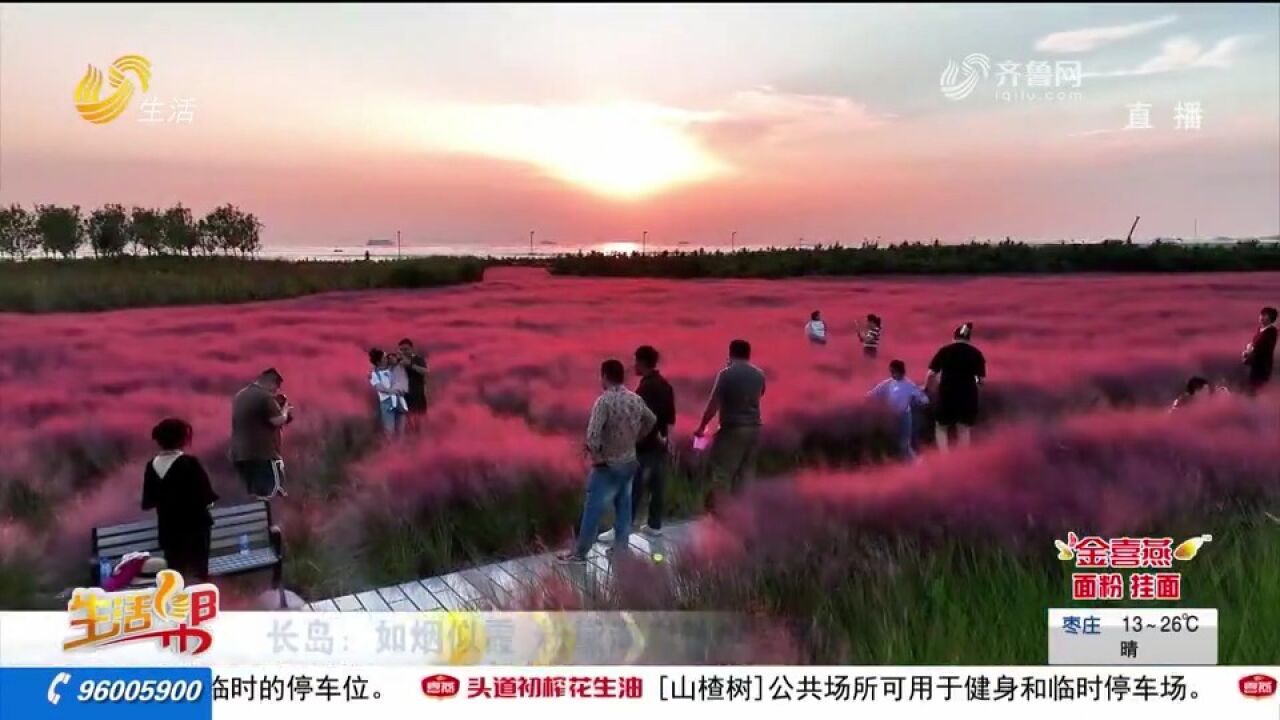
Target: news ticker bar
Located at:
point(1076, 636)
point(403, 638)
point(902, 693)
point(1133, 636)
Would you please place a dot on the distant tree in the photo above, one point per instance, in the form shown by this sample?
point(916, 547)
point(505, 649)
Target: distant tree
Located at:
point(108, 231)
point(18, 234)
point(61, 231)
point(180, 233)
point(146, 228)
point(229, 230)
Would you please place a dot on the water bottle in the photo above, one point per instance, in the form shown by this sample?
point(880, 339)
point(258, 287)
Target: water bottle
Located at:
point(244, 544)
point(104, 569)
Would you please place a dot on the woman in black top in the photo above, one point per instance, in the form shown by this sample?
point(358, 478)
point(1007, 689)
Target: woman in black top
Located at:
point(176, 486)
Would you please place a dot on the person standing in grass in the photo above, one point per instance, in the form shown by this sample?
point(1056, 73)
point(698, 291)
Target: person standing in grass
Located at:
point(177, 487)
point(735, 397)
point(901, 396)
point(653, 452)
point(816, 329)
point(415, 364)
point(391, 404)
point(959, 369)
point(1259, 354)
point(259, 413)
point(619, 419)
point(871, 336)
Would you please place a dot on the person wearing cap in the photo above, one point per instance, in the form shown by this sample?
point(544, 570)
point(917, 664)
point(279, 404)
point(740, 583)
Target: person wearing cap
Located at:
point(957, 369)
point(259, 412)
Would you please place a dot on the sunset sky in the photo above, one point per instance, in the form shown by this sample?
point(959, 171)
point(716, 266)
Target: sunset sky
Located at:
point(470, 125)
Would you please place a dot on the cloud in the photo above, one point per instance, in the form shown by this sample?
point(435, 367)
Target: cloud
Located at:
point(1086, 39)
point(1182, 53)
point(766, 102)
point(634, 149)
point(616, 149)
point(764, 114)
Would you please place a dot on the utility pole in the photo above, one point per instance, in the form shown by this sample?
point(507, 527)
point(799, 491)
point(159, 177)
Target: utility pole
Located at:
point(530, 243)
point(397, 244)
point(1196, 232)
point(733, 240)
point(644, 241)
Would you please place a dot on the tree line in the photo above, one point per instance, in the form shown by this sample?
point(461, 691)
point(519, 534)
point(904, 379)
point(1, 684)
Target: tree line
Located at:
point(112, 231)
point(932, 259)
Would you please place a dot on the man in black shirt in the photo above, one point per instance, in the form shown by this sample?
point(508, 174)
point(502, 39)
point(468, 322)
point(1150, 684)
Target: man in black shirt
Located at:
point(962, 368)
point(415, 366)
point(652, 450)
point(1259, 354)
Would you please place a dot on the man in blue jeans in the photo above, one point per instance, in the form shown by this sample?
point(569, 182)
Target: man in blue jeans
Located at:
point(619, 419)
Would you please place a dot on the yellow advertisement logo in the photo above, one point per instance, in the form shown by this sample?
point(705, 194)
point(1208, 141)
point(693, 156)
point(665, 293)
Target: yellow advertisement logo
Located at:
point(100, 111)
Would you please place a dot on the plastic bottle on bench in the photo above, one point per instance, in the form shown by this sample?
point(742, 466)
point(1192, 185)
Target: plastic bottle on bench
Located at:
point(244, 544)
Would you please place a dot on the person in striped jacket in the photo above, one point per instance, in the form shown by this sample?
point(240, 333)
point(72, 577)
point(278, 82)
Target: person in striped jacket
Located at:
point(871, 336)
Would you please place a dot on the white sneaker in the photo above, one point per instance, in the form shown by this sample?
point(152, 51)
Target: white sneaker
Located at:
point(605, 537)
point(651, 532)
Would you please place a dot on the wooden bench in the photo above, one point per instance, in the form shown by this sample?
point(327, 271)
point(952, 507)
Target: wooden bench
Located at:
point(253, 521)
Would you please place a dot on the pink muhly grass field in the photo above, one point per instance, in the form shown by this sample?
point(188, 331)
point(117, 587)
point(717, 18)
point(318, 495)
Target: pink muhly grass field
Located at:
point(514, 368)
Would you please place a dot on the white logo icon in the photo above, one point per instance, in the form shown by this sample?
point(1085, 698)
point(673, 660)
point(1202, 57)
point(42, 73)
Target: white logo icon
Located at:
point(959, 79)
point(58, 680)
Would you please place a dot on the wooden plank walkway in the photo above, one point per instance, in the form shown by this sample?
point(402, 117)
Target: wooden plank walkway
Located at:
point(500, 585)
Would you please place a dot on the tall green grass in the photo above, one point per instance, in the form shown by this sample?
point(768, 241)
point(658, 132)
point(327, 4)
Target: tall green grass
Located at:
point(958, 603)
point(83, 285)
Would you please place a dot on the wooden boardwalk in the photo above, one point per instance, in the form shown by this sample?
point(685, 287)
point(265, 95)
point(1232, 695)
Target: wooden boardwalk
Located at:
point(500, 585)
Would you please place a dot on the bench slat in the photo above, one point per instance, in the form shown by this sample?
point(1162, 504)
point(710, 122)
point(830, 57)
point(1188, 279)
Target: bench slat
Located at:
point(218, 532)
point(221, 546)
point(218, 513)
point(222, 531)
point(252, 560)
point(128, 538)
point(256, 540)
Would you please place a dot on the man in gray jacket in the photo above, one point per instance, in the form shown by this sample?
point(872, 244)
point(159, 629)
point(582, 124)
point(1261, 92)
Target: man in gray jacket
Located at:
point(736, 399)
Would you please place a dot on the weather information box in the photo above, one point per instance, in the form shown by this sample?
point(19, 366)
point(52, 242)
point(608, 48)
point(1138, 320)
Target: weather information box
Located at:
point(1133, 636)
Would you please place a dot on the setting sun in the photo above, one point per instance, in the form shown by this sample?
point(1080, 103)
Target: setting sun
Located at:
point(619, 151)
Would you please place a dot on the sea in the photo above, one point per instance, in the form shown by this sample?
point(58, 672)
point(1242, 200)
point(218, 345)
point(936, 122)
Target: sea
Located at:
point(388, 249)
point(357, 252)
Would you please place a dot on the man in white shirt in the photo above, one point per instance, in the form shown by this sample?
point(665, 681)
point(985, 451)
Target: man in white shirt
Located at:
point(900, 395)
